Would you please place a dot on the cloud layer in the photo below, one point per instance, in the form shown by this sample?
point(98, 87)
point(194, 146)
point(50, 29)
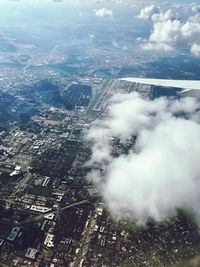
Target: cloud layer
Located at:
point(161, 172)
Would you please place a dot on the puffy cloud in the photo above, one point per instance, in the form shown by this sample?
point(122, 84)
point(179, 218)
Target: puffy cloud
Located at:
point(148, 11)
point(161, 172)
point(150, 46)
point(156, 14)
point(195, 7)
point(191, 29)
point(166, 32)
point(195, 49)
point(103, 12)
point(164, 16)
point(170, 32)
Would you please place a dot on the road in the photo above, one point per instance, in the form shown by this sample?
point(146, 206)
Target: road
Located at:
point(41, 216)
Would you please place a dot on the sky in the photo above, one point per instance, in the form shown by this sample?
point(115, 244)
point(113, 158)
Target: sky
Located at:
point(172, 25)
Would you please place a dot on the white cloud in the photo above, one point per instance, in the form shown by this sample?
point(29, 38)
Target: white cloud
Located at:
point(148, 11)
point(155, 13)
point(103, 12)
point(191, 29)
point(164, 16)
point(151, 46)
point(164, 172)
point(91, 36)
point(169, 32)
point(195, 7)
point(166, 32)
point(195, 49)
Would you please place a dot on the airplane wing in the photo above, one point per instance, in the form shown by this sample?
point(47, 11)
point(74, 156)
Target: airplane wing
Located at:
point(191, 88)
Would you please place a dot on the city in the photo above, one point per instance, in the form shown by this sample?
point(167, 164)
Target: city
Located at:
point(52, 216)
point(60, 69)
